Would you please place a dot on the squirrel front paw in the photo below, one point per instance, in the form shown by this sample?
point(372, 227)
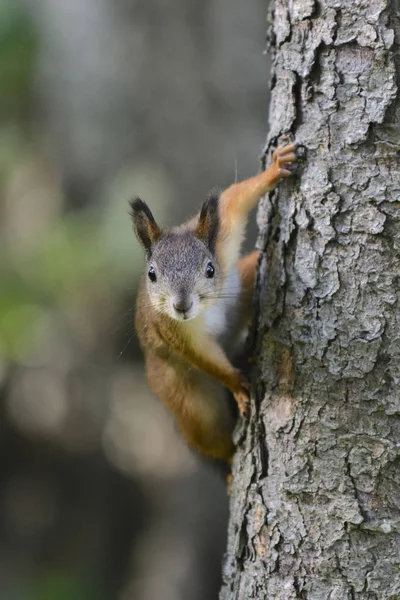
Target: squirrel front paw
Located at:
point(282, 158)
point(241, 395)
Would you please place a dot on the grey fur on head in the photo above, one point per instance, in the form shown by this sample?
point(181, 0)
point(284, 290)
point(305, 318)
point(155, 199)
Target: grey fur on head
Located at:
point(183, 272)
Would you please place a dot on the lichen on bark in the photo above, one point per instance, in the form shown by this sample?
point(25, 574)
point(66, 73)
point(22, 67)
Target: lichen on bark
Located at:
point(315, 507)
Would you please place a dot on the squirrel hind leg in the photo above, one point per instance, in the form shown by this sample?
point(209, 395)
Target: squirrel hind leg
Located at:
point(208, 424)
point(215, 446)
point(199, 404)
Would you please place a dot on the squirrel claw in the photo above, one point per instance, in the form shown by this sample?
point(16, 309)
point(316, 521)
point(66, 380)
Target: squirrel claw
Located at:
point(287, 153)
point(242, 399)
point(286, 158)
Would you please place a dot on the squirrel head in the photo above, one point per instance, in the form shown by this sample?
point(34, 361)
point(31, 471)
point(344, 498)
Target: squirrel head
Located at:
point(183, 275)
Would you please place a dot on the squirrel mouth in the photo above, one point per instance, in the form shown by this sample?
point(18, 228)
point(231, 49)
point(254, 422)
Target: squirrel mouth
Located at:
point(182, 316)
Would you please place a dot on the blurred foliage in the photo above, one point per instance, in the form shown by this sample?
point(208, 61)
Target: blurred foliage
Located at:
point(61, 586)
point(67, 262)
point(62, 261)
point(77, 252)
point(18, 46)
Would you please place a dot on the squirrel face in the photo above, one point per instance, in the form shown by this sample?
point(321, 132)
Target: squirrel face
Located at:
point(183, 274)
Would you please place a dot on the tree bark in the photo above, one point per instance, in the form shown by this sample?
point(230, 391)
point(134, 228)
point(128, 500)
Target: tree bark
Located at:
point(315, 506)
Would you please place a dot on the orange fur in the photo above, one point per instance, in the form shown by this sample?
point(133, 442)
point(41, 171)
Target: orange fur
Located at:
point(247, 273)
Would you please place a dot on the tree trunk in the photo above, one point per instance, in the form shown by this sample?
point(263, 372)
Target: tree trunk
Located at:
point(315, 507)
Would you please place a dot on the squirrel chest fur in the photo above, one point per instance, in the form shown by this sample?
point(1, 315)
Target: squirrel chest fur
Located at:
point(220, 318)
point(194, 302)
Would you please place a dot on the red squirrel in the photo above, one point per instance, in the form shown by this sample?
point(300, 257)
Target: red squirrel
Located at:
point(194, 301)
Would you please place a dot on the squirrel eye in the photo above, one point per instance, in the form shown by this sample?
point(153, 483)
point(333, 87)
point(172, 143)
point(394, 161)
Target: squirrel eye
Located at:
point(210, 271)
point(152, 274)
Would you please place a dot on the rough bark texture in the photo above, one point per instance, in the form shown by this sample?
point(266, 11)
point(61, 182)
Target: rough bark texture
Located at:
point(315, 509)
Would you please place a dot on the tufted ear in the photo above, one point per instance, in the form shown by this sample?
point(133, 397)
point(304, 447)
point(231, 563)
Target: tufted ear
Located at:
point(208, 223)
point(146, 229)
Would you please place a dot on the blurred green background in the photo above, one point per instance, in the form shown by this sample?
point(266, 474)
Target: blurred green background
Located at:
point(102, 100)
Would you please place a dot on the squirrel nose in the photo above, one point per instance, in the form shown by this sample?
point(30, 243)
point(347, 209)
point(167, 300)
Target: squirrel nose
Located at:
point(183, 305)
